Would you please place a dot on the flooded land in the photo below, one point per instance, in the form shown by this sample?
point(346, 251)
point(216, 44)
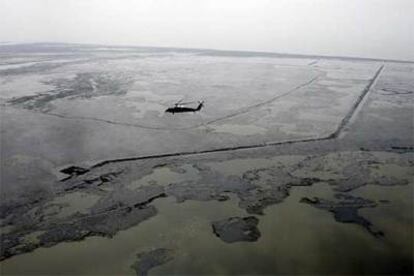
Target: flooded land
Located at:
point(295, 164)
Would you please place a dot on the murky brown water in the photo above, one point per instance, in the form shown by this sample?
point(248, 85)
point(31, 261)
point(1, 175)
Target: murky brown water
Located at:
point(296, 238)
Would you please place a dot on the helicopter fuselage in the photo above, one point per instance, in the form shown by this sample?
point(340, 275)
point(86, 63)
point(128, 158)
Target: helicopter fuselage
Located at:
point(182, 109)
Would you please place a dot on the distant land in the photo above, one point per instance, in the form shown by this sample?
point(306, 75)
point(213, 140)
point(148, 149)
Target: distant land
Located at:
point(18, 47)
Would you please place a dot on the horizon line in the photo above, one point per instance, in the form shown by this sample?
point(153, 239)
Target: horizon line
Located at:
point(279, 54)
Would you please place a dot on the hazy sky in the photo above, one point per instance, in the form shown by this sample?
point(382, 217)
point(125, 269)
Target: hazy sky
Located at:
point(365, 28)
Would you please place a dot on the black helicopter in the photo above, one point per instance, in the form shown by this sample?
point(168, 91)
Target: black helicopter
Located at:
point(179, 107)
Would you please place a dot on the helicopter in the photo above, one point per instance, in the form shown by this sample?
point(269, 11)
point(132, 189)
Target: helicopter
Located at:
point(180, 107)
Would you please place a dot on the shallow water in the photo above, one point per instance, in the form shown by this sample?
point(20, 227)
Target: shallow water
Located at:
point(296, 238)
point(239, 129)
point(72, 203)
point(164, 176)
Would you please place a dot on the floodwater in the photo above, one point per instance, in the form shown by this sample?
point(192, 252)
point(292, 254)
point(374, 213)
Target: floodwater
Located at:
point(65, 205)
point(103, 106)
point(295, 238)
point(240, 129)
point(164, 176)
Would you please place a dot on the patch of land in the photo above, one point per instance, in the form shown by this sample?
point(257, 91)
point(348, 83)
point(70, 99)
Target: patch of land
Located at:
point(150, 259)
point(237, 229)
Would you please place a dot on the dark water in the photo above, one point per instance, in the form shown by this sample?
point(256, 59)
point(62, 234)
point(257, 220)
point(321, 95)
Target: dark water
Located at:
point(296, 238)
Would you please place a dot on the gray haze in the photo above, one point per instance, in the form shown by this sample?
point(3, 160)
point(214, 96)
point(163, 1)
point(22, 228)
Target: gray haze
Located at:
point(368, 28)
